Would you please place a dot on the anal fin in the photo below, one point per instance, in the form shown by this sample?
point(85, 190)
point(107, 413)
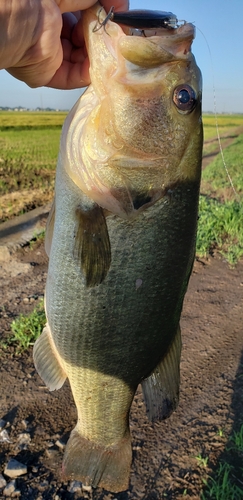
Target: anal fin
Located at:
point(161, 388)
point(98, 465)
point(46, 361)
point(92, 244)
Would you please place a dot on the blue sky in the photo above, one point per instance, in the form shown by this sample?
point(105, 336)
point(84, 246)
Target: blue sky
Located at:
point(221, 24)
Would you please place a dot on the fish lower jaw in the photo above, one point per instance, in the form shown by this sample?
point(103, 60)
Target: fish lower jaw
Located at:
point(145, 32)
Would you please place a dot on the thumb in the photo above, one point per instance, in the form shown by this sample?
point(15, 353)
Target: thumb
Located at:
point(74, 5)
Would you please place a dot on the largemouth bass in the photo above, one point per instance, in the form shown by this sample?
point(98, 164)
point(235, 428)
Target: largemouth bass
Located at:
point(121, 241)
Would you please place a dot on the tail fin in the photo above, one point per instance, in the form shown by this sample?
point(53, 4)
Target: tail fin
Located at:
point(96, 465)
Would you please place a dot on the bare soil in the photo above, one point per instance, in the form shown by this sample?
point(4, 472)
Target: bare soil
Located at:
point(164, 454)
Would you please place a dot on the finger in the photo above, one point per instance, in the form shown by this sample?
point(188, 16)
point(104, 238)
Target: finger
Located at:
point(117, 4)
point(78, 55)
point(71, 76)
point(75, 5)
point(69, 21)
point(74, 55)
point(78, 35)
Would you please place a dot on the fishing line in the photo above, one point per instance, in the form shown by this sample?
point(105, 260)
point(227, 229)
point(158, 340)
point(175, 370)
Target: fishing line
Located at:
point(216, 117)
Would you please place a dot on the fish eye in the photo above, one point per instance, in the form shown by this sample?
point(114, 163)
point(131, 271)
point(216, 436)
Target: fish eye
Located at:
point(184, 98)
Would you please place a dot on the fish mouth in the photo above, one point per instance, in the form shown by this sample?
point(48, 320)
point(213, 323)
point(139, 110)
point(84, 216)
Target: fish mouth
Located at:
point(144, 48)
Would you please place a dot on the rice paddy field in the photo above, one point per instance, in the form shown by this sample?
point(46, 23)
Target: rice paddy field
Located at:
point(29, 143)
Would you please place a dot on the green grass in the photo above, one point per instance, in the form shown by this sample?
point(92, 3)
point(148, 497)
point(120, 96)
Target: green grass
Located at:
point(29, 145)
point(227, 483)
point(224, 486)
point(28, 158)
point(202, 461)
point(220, 209)
point(236, 441)
point(214, 176)
point(220, 227)
point(27, 328)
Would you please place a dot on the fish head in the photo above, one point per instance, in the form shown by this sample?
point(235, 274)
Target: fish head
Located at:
point(144, 132)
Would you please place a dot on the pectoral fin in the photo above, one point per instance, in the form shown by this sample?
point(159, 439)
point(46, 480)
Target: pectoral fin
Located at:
point(161, 388)
point(47, 361)
point(92, 244)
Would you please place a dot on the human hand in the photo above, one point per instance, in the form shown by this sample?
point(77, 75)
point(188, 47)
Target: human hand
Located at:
point(42, 41)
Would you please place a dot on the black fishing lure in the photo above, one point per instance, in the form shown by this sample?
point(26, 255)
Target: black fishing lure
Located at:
point(140, 19)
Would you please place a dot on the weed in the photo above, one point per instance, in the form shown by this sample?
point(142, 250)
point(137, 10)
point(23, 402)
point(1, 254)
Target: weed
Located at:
point(237, 440)
point(27, 328)
point(37, 238)
point(220, 227)
point(226, 484)
point(214, 176)
point(220, 433)
point(202, 461)
point(223, 487)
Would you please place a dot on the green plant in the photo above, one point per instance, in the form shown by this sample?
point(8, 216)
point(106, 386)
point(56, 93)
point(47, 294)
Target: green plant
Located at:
point(220, 227)
point(227, 124)
point(223, 486)
point(37, 237)
point(214, 177)
point(237, 440)
point(226, 483)
point(202, 461)
point(27, 328)
point(220, 432)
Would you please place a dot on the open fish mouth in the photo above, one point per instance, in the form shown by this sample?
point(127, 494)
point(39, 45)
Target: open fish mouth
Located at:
point(143, 47)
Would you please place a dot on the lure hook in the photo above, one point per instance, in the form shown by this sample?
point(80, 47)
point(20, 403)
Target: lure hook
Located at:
point(99, 23)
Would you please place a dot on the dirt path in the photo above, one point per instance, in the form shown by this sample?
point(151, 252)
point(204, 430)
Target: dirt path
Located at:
point(165, 464)
point(226, 141)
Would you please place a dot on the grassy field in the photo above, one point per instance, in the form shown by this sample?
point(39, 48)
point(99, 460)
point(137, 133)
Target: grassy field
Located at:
point(29, 120)
point(215, 178)
point(221, 209)
point(228, 125)
point(29, 144)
